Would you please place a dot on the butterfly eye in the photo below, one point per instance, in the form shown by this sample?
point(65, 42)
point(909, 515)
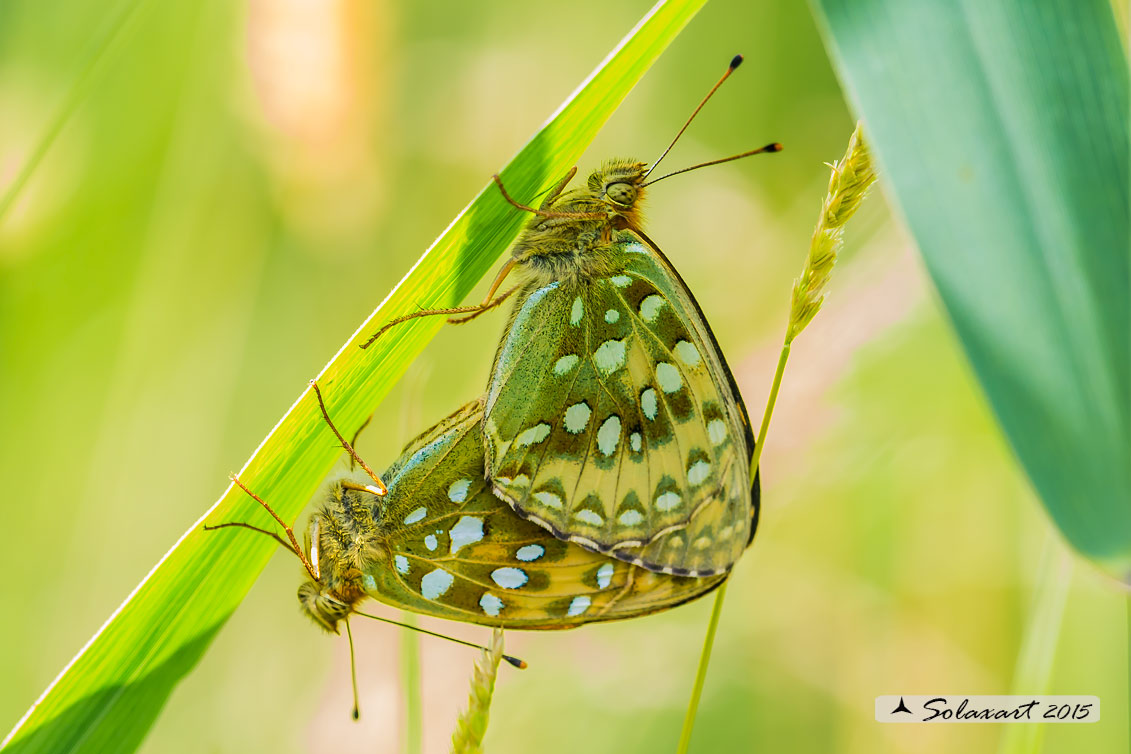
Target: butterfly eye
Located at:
point(320, 607)
point(623, 194)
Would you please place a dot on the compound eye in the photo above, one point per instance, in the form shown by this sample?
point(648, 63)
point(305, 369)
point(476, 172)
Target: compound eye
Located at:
point(623, 194)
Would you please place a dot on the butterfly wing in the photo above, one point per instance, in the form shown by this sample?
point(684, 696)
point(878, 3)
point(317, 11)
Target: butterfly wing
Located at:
point(453, 550)
point(613, 420)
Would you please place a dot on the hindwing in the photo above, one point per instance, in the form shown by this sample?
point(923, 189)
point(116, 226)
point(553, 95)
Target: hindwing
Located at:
point(453, 550)
point(613, 421)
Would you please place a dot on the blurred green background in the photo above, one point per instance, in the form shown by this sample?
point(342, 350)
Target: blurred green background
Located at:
point(242, 183)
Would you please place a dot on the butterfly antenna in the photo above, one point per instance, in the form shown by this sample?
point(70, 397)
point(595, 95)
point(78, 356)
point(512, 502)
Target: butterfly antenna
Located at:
point(518, 663)
point(769, 148)
point(735, 62)
point(353, 673)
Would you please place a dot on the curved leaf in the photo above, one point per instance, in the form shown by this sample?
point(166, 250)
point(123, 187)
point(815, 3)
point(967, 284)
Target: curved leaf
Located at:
point(1001, 130)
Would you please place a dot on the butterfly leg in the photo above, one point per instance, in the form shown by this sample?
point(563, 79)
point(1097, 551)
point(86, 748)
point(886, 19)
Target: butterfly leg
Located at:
point(293, 547)
point(356, 435)
point(487, 304)
point(545, 212)
point(422, 313)
point(241, 524)
point(378, 487)
point(556, 191)
point(483, 308)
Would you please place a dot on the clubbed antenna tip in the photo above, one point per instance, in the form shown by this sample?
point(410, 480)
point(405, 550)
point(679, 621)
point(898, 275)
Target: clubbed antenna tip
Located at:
point(735, 62)
point(520, 664)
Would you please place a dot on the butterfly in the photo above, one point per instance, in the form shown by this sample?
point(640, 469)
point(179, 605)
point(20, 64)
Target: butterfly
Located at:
point(611, 418)
point(439, 543)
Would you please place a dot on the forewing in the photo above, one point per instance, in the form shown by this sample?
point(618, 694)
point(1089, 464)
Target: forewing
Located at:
point(613, 421)
point(455, 551)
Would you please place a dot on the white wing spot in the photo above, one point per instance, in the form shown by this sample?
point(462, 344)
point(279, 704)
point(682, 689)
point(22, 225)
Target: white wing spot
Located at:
point(527, 553)
point(431, 542)
point(577, 312)
point(630, 518)
point(717, 431)
point(416, 515)
point(436, 583)
point(621, 281)
point(698, 472)
point(457, 493)
point(565, 363)
point(468, 530)
point(491, 604)
point(648, 403)
point(533, 436)
point(509, 578)
point(522, 480)
point(609, 435)
point(635, 441)
point(687, 351)
point(611, 316)
point(650, 307)
point(400, 562)
point(576, 417)
point(589, 517)
point(609, 356)
point(667, 501)
point(605, 575)
point(548, 499)
point(579, 605)
point(668, 377)
point(369, 582)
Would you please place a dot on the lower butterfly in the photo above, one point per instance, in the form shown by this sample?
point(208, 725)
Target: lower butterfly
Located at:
point(439, 543)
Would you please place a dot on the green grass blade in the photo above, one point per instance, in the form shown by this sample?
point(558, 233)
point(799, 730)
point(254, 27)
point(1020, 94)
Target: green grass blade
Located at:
point(1037, 655)
point(109, 695)
point(1001, 130)
point(105, 41)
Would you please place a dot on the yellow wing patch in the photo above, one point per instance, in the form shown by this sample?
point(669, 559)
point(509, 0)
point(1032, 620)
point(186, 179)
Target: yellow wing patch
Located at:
point(449, 548)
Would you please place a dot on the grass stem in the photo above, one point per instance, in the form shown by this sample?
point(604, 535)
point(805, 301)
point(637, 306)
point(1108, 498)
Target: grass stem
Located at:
point(472, 726)
point(701, 674)
point(851, 177)
point(1036, 658)
point(720, 593)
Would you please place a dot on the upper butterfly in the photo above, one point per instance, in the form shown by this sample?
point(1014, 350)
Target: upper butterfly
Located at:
point(611, 417)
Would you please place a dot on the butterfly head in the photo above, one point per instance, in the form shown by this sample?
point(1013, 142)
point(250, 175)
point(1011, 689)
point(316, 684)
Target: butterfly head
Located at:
point(336, 588)
point(619, 184)
point(323, 606)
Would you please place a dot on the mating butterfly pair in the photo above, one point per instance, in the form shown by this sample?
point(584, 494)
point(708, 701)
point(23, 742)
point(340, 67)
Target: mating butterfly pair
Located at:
point(611, 426)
